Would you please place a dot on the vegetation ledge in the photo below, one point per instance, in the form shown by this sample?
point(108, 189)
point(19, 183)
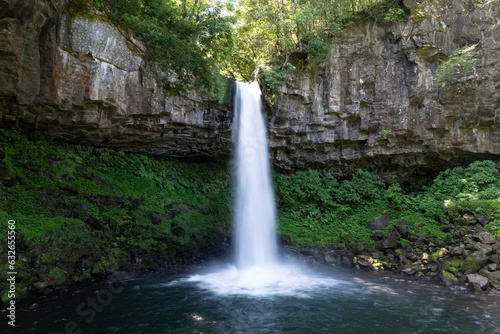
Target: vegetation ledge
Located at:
point(83, 213)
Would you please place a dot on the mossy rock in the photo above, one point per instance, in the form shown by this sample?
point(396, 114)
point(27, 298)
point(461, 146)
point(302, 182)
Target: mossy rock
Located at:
point(98, 269)
point(448, 278)
point(470, 265)
point(494, 283)
point(434, 257)
point(84, 277)
point(56, 276)
point(453, 266)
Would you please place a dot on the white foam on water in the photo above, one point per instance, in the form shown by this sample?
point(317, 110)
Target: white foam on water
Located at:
point(280, 279)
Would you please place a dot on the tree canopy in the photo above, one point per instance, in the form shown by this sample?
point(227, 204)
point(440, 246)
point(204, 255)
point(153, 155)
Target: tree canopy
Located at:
point(198, 44)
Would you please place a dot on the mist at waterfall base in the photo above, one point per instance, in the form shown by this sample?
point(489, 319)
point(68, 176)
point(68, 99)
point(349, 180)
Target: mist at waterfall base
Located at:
point(257, 269)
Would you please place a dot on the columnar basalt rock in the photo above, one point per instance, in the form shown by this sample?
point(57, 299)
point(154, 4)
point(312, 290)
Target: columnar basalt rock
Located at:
point(84, 81)
point(375, 102)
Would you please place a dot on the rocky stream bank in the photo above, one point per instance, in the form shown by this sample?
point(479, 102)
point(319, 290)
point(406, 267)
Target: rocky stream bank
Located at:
point(470, 258)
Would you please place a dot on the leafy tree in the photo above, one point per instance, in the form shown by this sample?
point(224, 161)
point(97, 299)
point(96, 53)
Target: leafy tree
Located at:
point(191, 42)
point(186, 41)
point(274, 36)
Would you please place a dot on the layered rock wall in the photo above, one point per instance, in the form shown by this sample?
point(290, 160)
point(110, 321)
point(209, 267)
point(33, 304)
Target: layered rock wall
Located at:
point(83, 80)
point(375, 102)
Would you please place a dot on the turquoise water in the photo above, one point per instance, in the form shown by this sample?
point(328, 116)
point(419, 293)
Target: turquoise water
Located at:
point(353, 302)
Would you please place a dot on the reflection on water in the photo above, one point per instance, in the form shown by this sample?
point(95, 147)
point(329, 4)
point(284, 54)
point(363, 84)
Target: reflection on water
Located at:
point(340, 302)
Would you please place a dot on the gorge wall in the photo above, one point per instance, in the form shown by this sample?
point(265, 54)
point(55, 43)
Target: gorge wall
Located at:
point(374, 103)
point(83, 80)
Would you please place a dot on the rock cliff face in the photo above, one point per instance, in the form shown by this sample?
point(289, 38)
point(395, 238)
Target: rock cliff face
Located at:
point(375, 102)
point(83, 81)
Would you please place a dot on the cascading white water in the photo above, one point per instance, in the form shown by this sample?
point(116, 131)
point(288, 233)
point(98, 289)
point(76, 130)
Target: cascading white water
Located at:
point(257, 270)
point(254, 219)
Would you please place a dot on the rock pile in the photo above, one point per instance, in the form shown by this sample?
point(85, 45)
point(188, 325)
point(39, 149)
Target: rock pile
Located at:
point(470, 258)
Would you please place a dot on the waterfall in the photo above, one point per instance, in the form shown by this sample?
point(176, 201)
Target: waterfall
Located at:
point(257, 270)
point(254, 219)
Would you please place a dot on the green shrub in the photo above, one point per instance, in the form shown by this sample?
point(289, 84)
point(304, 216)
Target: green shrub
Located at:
point(460, 64)
point(319, 211)
point(75, 193)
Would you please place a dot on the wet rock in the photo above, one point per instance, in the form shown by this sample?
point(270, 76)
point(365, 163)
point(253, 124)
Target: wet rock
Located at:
point(44, 284)
point(448, 278)
point(318, 258)
point(476, 228)
point(393, 239)
point(83, 277)
point(55, 277)
point(425, 257)
point(364, 263)
point(332, 258)
point(147, 263)
point(478, 282)
point(377, 236)
point(496, 275)
point(411, 268)
point(379, 223)
point(98, 270)
point(448, 228)
point(347, 260)
point(495, 258)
